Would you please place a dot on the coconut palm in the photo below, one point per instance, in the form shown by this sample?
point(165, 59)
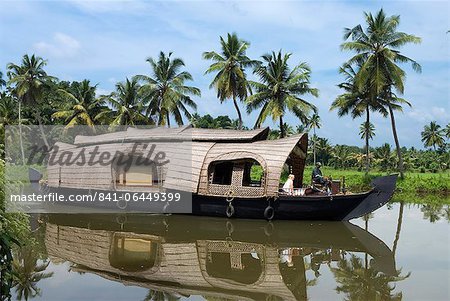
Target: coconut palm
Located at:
point(82, 106)
point(2, 81)
point(313, 123)
point(377, 52)
point(341, 156)
point(287, 129)
point(29, 80)
point(384, 157)
point(324, 150)
point(127, 105)
point(356, 102)
point(367, 132)
point(229, 65)
point(281, 89)
point(165, 92)
point(432, 135)
point(8, 110)
point(301, 128)
point(28, 272)
point(447, 131)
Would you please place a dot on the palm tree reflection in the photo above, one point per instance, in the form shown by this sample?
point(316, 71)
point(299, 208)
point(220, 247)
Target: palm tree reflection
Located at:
point(358, 282)
point(154, 295)
point(29, 270)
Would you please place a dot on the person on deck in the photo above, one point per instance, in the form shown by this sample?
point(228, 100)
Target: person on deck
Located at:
point(289, 185)
point(317, 176)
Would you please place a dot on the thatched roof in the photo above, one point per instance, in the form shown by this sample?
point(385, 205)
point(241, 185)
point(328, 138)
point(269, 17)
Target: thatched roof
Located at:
point(189, 159)
point(181, 133)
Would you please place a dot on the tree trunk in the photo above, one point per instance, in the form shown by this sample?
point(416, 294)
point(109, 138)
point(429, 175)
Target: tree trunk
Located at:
point(238, 112)
point(168, 119)
point(367, 141)
point(397, 144)
point(399, 228)
point(314, 145)
point(20, 133)
point(281, 127)
point(41, 128)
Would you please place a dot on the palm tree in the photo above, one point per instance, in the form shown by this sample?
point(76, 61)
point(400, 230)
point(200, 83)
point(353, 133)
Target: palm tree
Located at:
point(313, 123)
point(127, 104)
point(447, 131)
point(301, 128)
point(30, 80)
point(2, 81)
point(8, 110)
point(324, 150)
point(165, 92)
point(384, 156)
point(28, 272)
point(229, 65)
point(367, 132)
point(281, 89)
point(82, 106)
point(341, 155)
point(356, 102)
point(432, 135)
point(377, 52)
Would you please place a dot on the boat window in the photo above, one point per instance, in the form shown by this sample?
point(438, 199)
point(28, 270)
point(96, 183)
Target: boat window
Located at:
point(222, 173)
point(132, 254)
point(137, 175)
point(253, 173)
point(244, 268)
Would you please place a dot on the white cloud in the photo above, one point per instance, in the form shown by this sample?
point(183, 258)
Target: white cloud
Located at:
point(61, 46)
point(431, 114)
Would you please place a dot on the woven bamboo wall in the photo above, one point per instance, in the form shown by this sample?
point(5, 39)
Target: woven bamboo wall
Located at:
point(184, 263)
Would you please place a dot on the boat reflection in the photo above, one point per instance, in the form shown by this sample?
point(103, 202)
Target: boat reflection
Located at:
point(185, 255)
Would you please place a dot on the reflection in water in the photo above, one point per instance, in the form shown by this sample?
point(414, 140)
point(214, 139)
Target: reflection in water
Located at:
point(178, 256)
point(132, 253)
point(28, 271)
point(361, 282)
point(434, 212)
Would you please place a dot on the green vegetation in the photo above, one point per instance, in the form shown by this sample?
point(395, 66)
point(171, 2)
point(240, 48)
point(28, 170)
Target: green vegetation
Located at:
point(230, 80)
point(281, 89)
point(378, 74)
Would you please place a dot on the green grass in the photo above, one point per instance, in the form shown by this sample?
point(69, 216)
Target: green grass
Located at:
point(414, 188)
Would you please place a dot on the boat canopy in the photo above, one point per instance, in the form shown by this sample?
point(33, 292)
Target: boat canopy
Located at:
point(203, 161)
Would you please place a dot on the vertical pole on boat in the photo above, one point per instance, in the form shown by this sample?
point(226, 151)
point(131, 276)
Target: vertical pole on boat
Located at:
point(343, 185)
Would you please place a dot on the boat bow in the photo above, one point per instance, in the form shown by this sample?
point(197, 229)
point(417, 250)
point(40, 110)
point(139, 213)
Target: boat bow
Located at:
point(383, 190)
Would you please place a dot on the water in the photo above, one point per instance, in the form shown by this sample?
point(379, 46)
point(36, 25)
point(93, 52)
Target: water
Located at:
point(399, 252)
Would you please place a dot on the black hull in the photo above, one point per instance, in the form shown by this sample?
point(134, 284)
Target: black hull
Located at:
point(312, 207)
point(332, 208)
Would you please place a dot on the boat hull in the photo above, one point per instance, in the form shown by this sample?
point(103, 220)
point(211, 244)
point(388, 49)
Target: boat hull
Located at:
point(316, 207)
point(340, 207)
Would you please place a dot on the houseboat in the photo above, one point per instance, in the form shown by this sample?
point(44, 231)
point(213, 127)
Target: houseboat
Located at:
point(225, 173)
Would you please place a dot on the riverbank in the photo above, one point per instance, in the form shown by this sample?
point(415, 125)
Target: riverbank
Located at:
point(420, 188)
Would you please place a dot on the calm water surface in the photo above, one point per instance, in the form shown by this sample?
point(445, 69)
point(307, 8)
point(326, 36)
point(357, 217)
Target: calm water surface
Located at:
point(399, 252)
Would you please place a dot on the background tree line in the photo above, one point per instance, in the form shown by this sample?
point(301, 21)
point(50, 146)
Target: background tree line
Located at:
point(373, 83)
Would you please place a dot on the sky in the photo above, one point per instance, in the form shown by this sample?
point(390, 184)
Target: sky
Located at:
point(107, 41)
